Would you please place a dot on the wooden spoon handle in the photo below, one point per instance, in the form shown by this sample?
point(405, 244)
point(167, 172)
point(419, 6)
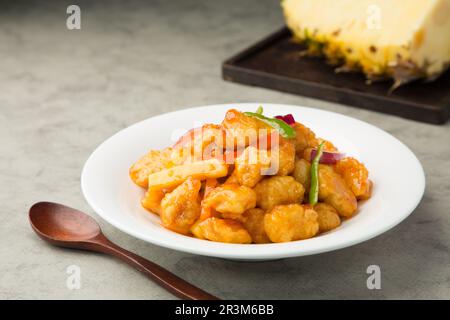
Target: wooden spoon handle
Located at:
point(174, 284)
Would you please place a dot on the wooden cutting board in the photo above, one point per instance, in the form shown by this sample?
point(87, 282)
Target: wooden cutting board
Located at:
point(275, 63)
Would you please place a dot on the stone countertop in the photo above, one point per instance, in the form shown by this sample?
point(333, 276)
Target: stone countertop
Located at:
point(63, 92)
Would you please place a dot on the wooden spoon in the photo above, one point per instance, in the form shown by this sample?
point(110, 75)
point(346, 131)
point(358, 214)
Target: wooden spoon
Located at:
point(66, 227)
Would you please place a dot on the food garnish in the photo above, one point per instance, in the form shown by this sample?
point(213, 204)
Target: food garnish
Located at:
point(285, 130)
point(288, 118)
point(260, 110)
point(328, 157)
point(314, 191)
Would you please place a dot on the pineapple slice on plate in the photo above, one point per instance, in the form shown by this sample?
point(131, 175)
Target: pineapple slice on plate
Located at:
point(403, 40)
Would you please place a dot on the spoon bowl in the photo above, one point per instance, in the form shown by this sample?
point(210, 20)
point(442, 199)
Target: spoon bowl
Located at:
point(61, 223)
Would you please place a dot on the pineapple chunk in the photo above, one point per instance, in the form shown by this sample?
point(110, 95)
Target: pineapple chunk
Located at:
point(399, 39)
point(200, 170)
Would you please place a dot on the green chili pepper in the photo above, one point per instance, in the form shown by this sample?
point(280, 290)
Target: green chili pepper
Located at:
point(282, 127)
point(259, 110)
point(314, 190)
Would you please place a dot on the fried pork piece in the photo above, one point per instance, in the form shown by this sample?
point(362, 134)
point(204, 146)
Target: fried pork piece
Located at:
point(355, 176)
point(152, 162)
point(201, 143)
point(221, 230)
point(328, 145)
point(181, 207)
point(368, 193)
point(253, 221)
point(302, 173)
point(304, 138)
point(291, 222)
point(152, 200)
point(210, 184)
point(278, 190)
point(328, 217)
point(241, 129)
point(334, 191)
point(232, 178)
point(231, 200)
point(283, 157)
point(250, 166)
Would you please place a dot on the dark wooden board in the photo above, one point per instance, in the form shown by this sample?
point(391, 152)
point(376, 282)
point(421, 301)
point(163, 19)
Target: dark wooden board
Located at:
point(275, 63)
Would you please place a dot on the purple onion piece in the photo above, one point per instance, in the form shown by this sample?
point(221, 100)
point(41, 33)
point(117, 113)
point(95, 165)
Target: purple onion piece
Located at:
point(288, 118)
point(328, 157)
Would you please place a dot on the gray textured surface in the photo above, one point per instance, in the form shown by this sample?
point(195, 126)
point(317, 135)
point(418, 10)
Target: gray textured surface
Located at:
point(63, 92)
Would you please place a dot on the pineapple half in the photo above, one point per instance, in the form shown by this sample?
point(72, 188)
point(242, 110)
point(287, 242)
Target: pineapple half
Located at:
point(400, 39)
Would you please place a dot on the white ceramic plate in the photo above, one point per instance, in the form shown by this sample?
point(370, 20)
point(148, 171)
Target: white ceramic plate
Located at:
point(398, 177)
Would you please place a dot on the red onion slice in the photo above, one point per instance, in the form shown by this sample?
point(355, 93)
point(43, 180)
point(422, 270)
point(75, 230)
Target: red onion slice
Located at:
point(288, 118)
point(328, 157)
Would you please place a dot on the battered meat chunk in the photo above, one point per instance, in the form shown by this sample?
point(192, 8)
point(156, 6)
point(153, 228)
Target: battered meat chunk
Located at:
point(334, 191)
point(152, 162)
point(250, 166)
point(181, 207)
point(221, 230)
point(302, 173)
point(328, 217)
point(284, 157)
point(291, 222)
point(243, 130)
point(355, 176)
point(231, 200)
point(253, 221)
point(304, 138)
point(152, 200)
point(278, 190)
